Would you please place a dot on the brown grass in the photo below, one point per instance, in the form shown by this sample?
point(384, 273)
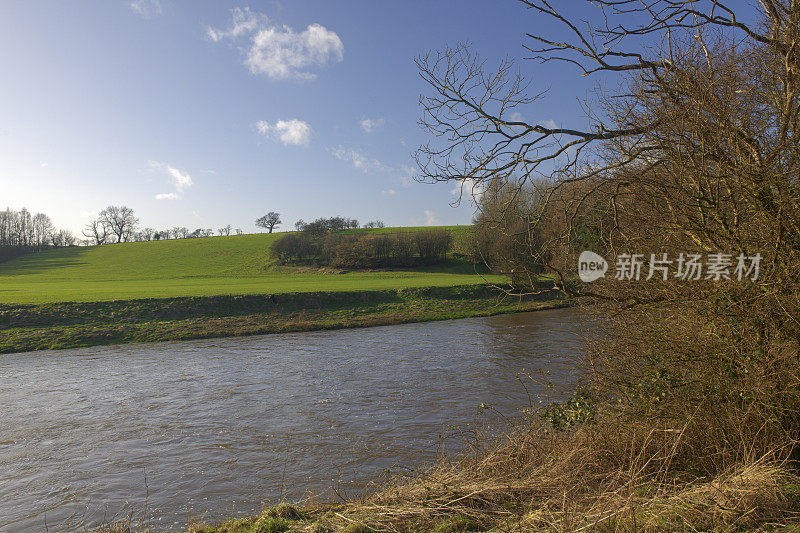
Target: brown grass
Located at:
point(615, 474)
point(610, 476)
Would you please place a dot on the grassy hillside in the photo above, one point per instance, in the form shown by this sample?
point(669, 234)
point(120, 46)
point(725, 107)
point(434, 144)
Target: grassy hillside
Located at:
point(197, 267)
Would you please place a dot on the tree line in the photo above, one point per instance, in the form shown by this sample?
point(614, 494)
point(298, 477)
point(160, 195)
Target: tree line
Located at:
point(22, 232)
point(323, 242)
point(116, 224)
point(333, 224)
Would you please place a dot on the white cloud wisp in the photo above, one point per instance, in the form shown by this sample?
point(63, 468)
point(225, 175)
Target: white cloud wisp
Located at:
point(146, 8)
point(279, 51)
point(292, 132)
point(370, 125)
point(360, 161)
point(180, 180)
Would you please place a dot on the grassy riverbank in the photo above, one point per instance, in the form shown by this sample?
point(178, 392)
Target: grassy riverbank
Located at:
point(224, 286)
point(26, 327)
point(577, 466)
point(613, 475)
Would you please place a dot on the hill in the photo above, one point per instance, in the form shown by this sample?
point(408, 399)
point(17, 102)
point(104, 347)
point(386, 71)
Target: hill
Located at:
point(200, 267)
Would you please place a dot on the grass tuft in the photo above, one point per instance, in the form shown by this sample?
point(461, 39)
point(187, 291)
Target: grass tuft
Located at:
point(270, 524)
point(285, 511)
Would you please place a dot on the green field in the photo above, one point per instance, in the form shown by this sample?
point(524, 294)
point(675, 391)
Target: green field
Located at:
point(199, 267)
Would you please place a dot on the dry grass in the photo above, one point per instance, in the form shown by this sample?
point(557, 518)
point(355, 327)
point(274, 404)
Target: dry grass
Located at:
point(615, 474)
point(601, 477)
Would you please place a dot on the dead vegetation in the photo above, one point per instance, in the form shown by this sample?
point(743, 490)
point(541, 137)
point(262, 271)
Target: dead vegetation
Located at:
point(612, 475)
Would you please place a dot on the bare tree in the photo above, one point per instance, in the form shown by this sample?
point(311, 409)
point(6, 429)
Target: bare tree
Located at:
point(97, 230)
point(224, 231)
point(120, 221)
point(694, 148)
point(63, 238)
point(638, 132)
point(23, 228)
point(269, 221)
point(147, 234)
point(25, 233)
point(179, 232)
point(43, 229)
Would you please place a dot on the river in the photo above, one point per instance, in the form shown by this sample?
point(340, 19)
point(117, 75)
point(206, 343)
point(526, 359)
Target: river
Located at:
point(211, 429)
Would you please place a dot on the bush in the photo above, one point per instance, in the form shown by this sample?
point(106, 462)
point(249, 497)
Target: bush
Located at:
point(403, 248)
point(510, 232)
point(285, 248)
point(324, 247)
point(343, 251)
point(297, 247)
point(433, 244)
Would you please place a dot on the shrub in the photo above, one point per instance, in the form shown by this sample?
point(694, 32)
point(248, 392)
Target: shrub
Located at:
point(285, 248)
point(403, 248)
point(317, 243)
point(433, 244)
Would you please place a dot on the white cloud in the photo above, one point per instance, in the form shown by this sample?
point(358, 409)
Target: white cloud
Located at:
point(363, 163)
point(180, 180)
point(516, 116)
point(146, 8)
point(469, 189)
point(431, 219)
point(370, 125)
point(406, 175)
point(44, 165)
point(292, 132)
point(403, 173)
point(244, 22)
point(279, 51)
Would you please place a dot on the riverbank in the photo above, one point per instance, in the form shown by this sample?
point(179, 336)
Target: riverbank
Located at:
point(609, 476)
point(79, 324)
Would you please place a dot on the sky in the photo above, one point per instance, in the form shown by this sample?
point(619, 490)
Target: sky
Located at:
point(207, 113)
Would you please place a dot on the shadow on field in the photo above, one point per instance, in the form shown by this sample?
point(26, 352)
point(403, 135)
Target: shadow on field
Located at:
point(457, 265)
point(37, 262)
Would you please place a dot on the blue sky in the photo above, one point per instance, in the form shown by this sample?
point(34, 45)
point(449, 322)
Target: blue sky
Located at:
point(207, 113)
